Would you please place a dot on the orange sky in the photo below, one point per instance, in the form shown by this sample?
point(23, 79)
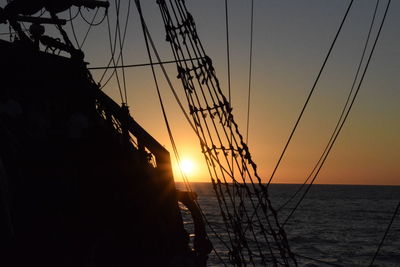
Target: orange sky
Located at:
point(291, 40)
point(286, 62)
point(285, 66)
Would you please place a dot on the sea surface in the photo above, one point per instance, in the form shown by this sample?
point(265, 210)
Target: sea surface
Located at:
point(339, 225)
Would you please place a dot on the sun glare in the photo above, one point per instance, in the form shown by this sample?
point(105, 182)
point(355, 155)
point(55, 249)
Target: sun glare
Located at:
point(188, 167)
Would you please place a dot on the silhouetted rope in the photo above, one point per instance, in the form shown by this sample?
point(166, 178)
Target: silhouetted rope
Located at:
point(90, 27)
point(228, 58)
point(343, 110)
point(211, 86)
point(71, 18)
point(250, 71)
point(70, 14)
point(112, 47)
point(385, 234)
point(211, 227)
point(310, 93)
point(306, 103)
point(139, 64)
point(346, 116)
point(217, 186)
point(171, 137)
point(91, 23)
point(121, 45)
point(220, 139)
point(147, 39)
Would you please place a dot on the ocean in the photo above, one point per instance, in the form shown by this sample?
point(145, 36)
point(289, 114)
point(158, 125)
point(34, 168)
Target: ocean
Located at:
point(339, 225)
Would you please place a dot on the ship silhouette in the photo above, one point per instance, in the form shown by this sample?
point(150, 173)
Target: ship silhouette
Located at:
point(82, 184)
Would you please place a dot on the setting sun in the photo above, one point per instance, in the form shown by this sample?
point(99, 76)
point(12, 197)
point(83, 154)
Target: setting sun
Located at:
point(187, 166)
point(191, 164)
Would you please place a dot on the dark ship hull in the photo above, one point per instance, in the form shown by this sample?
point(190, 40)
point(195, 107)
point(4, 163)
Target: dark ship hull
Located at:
point(82, 184)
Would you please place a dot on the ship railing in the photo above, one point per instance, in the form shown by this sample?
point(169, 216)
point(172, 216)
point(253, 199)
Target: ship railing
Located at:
point(140, 137)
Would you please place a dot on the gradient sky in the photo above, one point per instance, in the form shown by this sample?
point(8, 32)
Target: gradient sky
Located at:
point(291, 39)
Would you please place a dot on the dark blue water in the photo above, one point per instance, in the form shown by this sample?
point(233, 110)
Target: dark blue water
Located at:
point(338, 224)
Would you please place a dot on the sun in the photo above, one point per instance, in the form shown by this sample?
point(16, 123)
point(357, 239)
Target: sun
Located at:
point(188, 167)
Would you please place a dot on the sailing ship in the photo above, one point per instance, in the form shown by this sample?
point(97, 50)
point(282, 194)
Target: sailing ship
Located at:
point(83, 184)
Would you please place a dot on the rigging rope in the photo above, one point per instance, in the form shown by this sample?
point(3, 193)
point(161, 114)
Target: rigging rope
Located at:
point(70, 14)
point(113, 50)
point(385, 234)
point(187, 184)
point(250, 71)
point(210, 226)
point(72, 25)
point(346, 115)
point(113, 59)
point(171, 137)
point(91, 23)
point(118, 5)
point(228, 59)
point(228, 51)
point(307, 100)
point(343, 110)
point(310, 94)
point(89, 28)
point(138, 65)
point(220, 138)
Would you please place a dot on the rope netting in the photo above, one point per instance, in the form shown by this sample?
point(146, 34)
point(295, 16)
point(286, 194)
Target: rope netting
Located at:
point(252, 235)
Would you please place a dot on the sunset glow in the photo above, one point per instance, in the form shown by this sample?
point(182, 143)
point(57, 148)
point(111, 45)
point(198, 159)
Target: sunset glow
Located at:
point(289, 50)
point(188, 167)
